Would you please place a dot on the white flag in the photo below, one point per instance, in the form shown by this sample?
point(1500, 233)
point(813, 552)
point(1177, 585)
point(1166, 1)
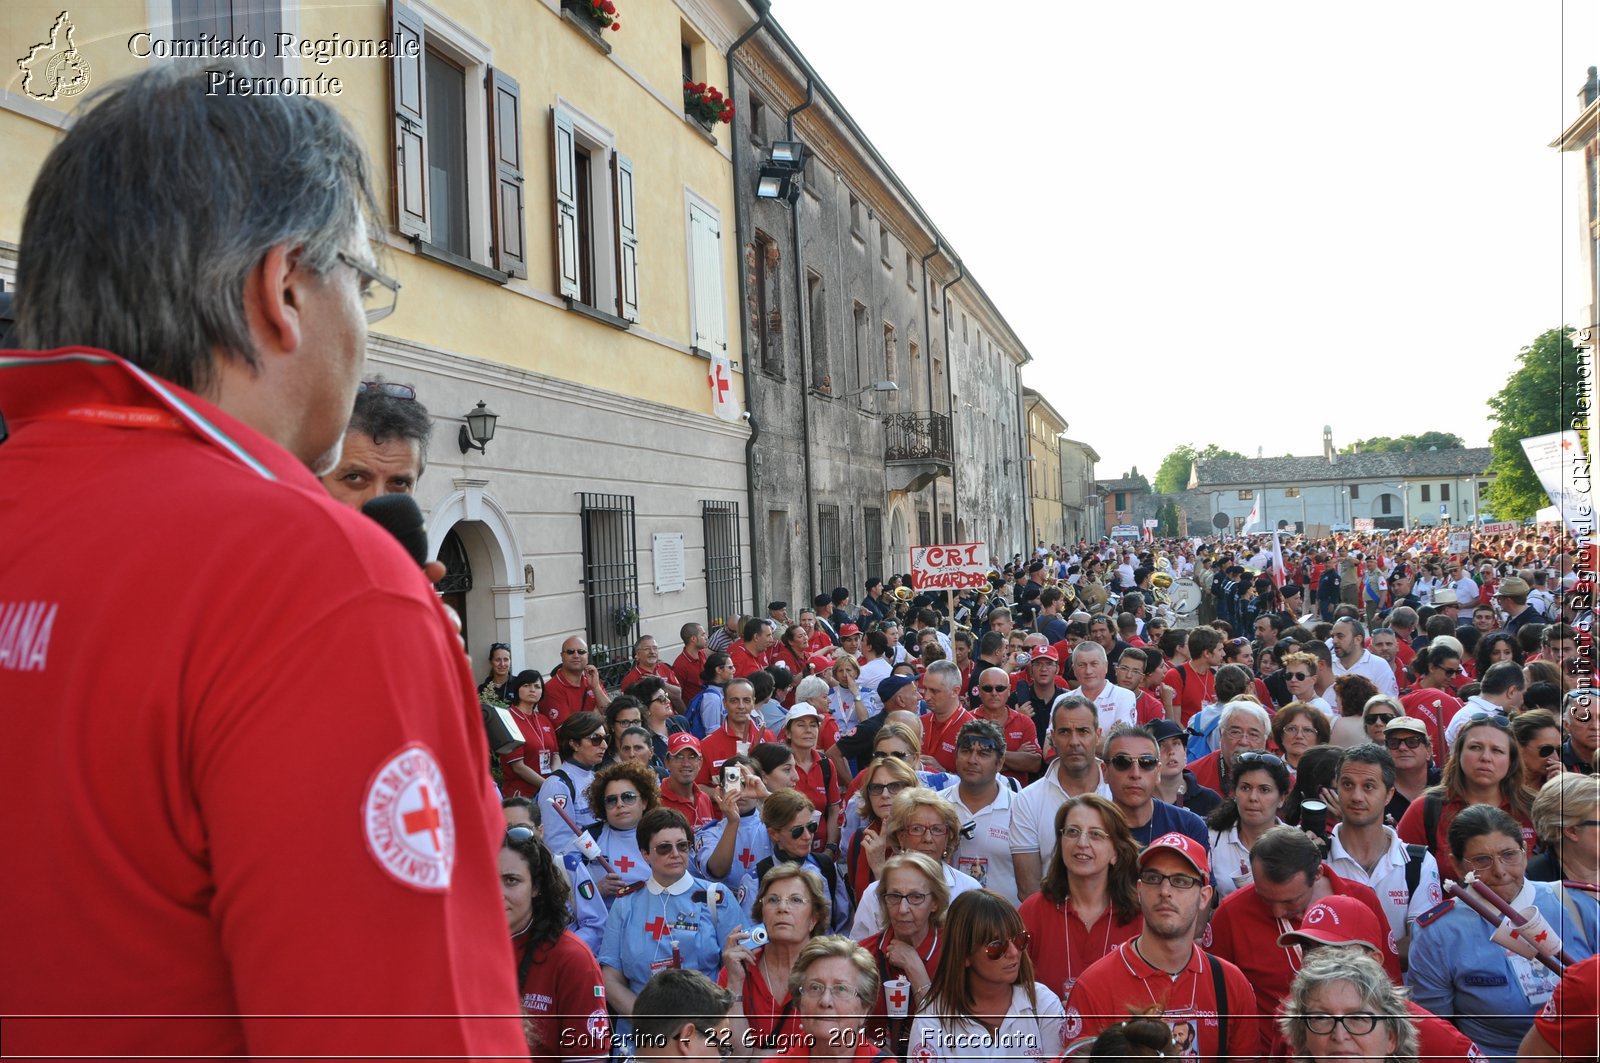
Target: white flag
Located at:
point(723, 403)
point(1254, 518)
point(1279, 573)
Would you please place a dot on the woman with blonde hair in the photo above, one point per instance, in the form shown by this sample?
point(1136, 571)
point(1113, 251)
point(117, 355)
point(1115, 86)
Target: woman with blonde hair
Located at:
point(1343, 1006)
point(1566, 816)
point(896, 753)
point(911, 908)
point(1088, 900)
point(835, 980)
point(984, 1000)
point(920, 821)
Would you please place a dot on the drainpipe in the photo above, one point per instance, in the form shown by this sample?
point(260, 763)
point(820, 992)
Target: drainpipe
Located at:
point(740, 225)
point(813, 562)
point(927, 343)
point(949, 389)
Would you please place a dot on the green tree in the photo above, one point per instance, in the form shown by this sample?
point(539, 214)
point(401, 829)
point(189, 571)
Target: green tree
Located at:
point(1529, 405)
point(1394, 444)
point(1168, 516)
point(1173, 475)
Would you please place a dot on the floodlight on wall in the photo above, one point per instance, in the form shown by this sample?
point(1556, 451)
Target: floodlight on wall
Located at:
point(479, 429)
point(790, 153)
point(780, 174)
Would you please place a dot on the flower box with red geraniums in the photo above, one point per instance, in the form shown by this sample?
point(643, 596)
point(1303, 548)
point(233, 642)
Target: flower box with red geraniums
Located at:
point(706, 104)
point(603, 13)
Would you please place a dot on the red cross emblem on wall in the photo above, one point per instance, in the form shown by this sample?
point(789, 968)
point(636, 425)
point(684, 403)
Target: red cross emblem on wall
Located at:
point(425, 818)
point(658, 929)
point(747, 858)
point(624, 865)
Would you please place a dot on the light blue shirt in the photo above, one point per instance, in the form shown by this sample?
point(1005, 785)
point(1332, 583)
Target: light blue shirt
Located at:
point(1493, 996)
point(574, 800)
point(752, 846)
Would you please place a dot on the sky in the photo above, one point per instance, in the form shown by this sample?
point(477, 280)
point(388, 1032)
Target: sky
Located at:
point(1235, 222)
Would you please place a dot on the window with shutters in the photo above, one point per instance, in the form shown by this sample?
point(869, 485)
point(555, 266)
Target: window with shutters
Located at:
point(1444, 492)
point(257, 21)
point(597, 238)
point(766, 303)
point(924, 528)
point(708, 312)
point(1355, 491)
point(458, 148)
point(1427, 493)
point(817, 333)
point(872, 534)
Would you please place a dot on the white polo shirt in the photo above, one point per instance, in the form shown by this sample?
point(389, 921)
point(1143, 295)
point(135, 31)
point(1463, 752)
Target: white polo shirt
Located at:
point(1033, 813)
point(1388, 881)
point(986, 856)
point(1114, 705)
point(1380, 671)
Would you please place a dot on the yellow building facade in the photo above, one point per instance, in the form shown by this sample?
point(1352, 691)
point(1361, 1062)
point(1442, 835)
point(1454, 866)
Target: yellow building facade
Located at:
point(1045, 427)
point(564, 235)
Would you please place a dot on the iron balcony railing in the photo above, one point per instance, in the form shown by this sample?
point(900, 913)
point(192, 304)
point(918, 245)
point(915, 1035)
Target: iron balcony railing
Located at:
point(917, 437)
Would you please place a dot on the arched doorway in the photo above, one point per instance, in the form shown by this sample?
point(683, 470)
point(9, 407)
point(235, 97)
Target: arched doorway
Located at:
point(457, 583)
point(474, 531)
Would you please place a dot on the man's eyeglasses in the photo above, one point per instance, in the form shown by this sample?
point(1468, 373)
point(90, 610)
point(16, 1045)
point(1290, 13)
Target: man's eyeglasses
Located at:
point(668, 848)
point(1125, 761)
point(802, 830)
point(1298, 677)
point(991, 689)
point(627, 797)
point(1154, 879)
point(377, 305)
point(1409, 741)
point(404, 392)
point(1000, 946)
point(574, 653)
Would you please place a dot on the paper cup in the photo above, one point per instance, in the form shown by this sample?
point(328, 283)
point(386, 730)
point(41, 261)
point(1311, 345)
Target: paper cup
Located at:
point(897, 997)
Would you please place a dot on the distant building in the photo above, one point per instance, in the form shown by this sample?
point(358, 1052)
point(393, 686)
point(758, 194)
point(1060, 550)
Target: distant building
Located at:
point(1335, 491)
point(1080, 501)
point(1045, 427)
point(1126, 500)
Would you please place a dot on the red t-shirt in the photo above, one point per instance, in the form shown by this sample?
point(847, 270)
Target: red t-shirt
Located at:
point(1244, 932)
point(698, 812)
point(1412, 830)
point(811, 783)
point(939, 739)
point(722, 743)
point(819, 642)
point(1018, 730)
point(1062, 948)
point(562, 699)
point(1193, 689)
point(223, 926)
point(662, 672)
point(564, 1001)
point(540, 750)
point(688, 670)
point(774, 1023)
point(929, 950)
point(866, 1051)
point(1208, 770)
point(1569, 1021)
point(1148, 708)
point(1122, 982)
point(1433, 707)
point(743, 663)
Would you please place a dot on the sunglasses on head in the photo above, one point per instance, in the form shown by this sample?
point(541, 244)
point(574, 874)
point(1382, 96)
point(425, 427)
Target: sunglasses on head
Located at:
point(394, 391)
point(1124, 761)
point(998, 948)
point(982, 745)
point(1256, 756)
point(493, 646)
point(520, 835)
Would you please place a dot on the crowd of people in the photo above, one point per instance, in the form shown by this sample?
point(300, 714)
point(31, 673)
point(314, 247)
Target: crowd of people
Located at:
point(1060, 816)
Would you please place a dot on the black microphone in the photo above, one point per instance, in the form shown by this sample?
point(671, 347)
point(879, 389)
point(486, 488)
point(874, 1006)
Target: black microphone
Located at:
point(402, 518)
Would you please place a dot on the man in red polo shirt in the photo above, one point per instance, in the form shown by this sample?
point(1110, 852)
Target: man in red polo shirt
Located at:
point(647, 664)
point(1023, 757)
point(1164, 969)
point(692, 661)
point(737, 734)
point(1289, 877)
point(575, 685)
point(1193, 681)
point(1130, 676)
point(678, 789)
point(750, 655)
point(941, 688)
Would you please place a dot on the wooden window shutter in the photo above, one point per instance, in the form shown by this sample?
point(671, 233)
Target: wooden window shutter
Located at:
point(710, 324)
point(627, 239)
point(505, 151)
point(408, 88)
point(565, 161)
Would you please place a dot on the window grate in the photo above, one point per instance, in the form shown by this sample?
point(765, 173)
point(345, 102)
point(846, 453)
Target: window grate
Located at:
point(828, 546)
point(457, 570)
point(724, 571)
point(610, 583)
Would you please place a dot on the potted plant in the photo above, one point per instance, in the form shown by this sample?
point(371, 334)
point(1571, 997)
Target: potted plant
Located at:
point(623, 617)
point(706, 104)
point(603, 13)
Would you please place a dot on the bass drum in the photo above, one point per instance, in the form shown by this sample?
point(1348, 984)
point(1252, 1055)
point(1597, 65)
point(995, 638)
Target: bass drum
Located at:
point(1185, 598)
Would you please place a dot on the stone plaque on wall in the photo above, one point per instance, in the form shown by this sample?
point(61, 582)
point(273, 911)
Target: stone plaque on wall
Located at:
point(668, 554)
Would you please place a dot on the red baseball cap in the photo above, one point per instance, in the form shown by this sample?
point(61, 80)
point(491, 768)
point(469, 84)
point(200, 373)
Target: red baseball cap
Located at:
point(1044, 653)
point(678, 741)
point(822, 662)
point(846, 630)
point(1337, 920)
point(1184, 846)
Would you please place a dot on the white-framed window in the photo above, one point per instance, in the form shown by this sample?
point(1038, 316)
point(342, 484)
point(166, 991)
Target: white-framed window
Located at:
point(256, 21)
point(458, 150)
point(708, 313)
point(597, 243)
